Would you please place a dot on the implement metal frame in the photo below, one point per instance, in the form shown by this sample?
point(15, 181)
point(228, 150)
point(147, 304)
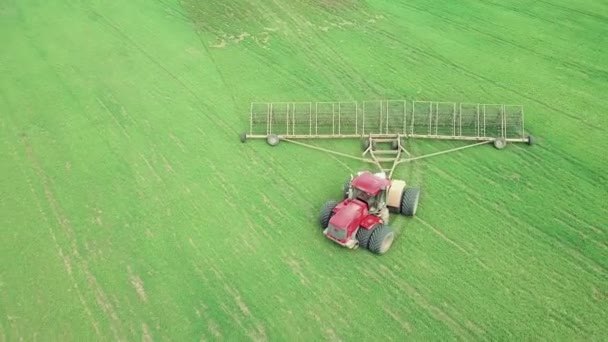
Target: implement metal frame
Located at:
point(383, 121)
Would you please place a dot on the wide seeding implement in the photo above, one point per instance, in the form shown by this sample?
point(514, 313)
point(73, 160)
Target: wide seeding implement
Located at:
point(383, 126)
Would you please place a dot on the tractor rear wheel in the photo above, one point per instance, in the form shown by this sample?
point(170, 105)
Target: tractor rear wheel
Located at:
point(409, 201)
point(327, 213)
point(363, 236)
point(381, 239)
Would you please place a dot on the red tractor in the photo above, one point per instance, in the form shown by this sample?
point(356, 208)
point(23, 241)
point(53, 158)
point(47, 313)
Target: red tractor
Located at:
point(361, 219)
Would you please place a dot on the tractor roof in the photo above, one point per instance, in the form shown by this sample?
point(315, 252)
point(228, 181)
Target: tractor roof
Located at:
point(370, 183)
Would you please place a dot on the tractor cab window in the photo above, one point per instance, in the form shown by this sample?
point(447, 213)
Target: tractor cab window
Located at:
point(365, 197)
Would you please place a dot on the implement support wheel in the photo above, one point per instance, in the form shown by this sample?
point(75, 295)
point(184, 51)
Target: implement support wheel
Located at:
point(273, 139)
point(530, 140)
point(500, 143)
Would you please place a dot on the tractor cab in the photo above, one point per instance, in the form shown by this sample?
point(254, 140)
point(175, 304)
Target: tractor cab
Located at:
point(370, 189)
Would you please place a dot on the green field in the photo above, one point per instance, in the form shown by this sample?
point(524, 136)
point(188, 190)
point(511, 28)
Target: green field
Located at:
point(129, 209)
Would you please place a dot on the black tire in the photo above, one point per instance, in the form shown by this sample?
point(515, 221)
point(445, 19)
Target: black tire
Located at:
point(409, 201)
point(327, 213)
point(243, 137)
point(531, 140)
point(381, 240)
point(500, 143)
point(363, 236)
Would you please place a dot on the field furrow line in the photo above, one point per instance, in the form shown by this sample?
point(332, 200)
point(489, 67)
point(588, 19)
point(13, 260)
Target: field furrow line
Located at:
point(477, 76)
point(598, 16)
point(553, 58)
point(67, 261)
point(204, 109)
point(120, 126)
point(584, 237)
point(451, 242)
point(582, 222)
point(537, 234)
point(69, 233)
point(554, 178)
point(406, 326)
point(312, 52)
point(438, 313)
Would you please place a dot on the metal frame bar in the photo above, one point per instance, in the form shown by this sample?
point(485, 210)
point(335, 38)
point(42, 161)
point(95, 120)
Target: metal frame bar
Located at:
point(388, 115)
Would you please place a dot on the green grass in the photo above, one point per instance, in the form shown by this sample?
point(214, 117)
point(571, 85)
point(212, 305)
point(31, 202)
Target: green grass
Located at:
point(130, 210)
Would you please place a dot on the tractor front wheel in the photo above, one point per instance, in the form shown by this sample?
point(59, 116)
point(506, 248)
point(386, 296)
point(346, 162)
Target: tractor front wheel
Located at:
point(381, 240)
point(327, 213)
point(409, 201)
point(363, 236)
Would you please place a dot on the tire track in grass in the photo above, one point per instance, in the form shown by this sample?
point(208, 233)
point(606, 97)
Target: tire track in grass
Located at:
point(536, 234)
point(346, 67)
point(462, 330)
point(584, 237)
point(212, 326)
point(478, 170)
point(452, 242)
point(203, 108)
point(597, 16)
point(232, 194)
point(158, 64)
point(476, 76)
point(67, 261)
point(580, 221)
point(240, 312)
point(155, 62)
point(472, 194)
point(79, 261)
point(469, 28)
point(553, 153)
point(341, 65)
point(111, 115)
point(405, 325)
point(308, 49)
point(304, 83)
point(575, 197)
